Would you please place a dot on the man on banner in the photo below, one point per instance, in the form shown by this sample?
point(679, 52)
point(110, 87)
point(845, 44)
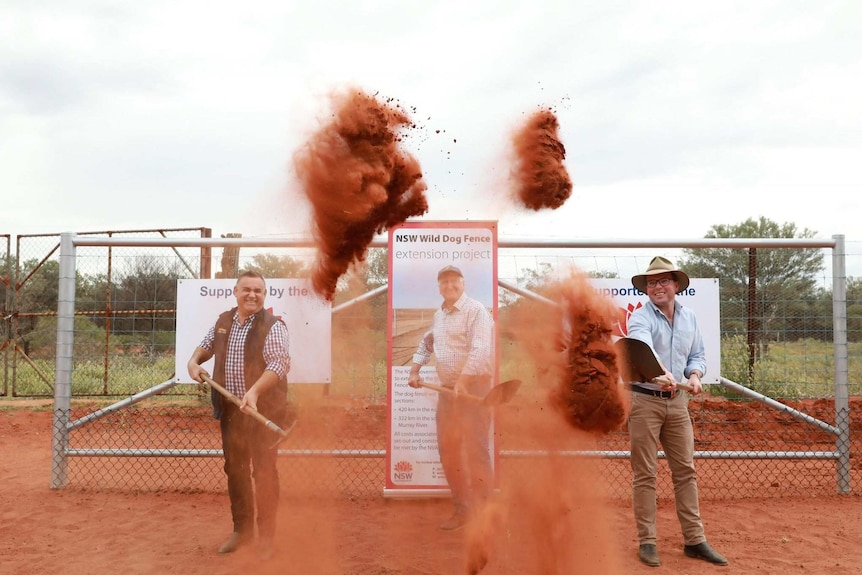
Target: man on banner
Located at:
point(462, 340)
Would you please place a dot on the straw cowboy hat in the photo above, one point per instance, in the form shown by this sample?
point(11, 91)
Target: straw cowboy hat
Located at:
point(660, 265)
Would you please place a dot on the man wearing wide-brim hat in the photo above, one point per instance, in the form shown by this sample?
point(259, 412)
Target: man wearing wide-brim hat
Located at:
point(661, 266)
point(659, 413)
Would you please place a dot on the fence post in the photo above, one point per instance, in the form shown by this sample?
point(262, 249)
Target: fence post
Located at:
point(839, 338)
point(206, 256)
point(63, 366)
point(7, 277)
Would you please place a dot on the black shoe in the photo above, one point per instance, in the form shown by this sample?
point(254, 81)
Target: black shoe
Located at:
point(647, 554)
point(266, 549)
point(234, 542)
point(705, 552)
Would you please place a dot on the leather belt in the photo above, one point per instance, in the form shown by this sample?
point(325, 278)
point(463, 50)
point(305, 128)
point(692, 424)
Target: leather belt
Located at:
point(654, 392)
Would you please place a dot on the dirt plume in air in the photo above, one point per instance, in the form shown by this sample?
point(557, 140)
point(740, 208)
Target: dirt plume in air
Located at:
point(551, 514)
point(540, 178)
point(358, 182)
point(552, 517)
point(571, 345)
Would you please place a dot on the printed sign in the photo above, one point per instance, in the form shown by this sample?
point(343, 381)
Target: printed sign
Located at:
point(701, 296)
point(417, 251)
point(307, 316)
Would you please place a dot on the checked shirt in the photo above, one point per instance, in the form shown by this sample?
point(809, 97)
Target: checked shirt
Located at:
point(275, 352)
point(461, 338)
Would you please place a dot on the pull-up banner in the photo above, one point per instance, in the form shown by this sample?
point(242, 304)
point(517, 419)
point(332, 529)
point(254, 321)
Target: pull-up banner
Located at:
point(417, 251)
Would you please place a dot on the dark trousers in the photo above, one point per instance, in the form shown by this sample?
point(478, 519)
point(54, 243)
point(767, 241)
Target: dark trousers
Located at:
point(249, 456)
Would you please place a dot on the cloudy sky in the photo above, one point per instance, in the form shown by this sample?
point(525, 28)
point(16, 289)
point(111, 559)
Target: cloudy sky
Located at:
point(675, 115)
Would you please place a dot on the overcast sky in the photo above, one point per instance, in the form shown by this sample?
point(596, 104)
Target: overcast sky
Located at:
point(675, 115)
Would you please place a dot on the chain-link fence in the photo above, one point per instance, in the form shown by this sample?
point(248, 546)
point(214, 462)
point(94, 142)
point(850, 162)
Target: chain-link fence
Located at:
point(6, 283)
point(794, 439)
point(116, 295)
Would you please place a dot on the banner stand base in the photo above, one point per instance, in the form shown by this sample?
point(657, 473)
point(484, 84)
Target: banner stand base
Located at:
point(390, 493)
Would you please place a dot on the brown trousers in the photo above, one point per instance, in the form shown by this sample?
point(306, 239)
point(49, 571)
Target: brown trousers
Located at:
point(463, 428)
point(654, 420)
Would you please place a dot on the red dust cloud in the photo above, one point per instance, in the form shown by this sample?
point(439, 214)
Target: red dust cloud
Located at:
point(554, 506)
point(358, 182)
point(572, 343)
point(541, 179)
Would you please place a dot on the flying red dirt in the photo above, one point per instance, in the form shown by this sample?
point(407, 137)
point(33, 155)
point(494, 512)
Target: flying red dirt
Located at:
point(358, 181)
point(571, 342)
point(541, 179)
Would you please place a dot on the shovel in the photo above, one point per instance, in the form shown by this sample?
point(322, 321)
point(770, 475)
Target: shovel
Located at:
point(640, 364)
point(282, 434)
point(498, 395)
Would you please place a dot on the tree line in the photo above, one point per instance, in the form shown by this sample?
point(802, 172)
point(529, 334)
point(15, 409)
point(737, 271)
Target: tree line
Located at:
point(135, 306)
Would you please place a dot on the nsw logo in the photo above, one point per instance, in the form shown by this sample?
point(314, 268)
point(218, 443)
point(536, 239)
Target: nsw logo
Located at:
point(403, 471)
point(623, 314)
point(278, 315)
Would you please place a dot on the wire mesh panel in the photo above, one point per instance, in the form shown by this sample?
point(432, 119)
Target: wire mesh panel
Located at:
point(124, 310)
point(747, 450)
point(7, 286)
point(123, 343)
point(743, 448)
point(148, 447)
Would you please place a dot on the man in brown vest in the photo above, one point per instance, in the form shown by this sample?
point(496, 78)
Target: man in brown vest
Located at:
point(250, 347)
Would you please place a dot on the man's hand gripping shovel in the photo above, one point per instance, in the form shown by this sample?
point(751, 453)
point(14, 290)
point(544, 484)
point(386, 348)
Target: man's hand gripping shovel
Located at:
point(282, 434)
point(499, 394)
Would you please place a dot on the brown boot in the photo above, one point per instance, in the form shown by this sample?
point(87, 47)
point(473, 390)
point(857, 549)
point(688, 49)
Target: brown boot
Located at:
point(454, 523)
point(266, 549)
point(234, 542)
point(705, 552)
point(647, 554)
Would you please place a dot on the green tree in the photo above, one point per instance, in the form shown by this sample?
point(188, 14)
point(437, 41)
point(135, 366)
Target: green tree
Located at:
point(37, 294)
point(786, 294)
point(361, 278)
point(6, 287)
point(854, 310)
point(273, 266)
point(147, 286)
point(376, 267)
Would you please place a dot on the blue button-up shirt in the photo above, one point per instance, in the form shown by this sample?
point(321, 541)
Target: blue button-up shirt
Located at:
point(679, 347)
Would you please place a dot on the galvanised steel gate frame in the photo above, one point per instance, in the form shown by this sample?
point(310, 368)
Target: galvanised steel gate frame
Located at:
point(69, 242)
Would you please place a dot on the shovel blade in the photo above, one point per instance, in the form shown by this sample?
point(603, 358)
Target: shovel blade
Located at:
point(638, 362)
point(502, 393)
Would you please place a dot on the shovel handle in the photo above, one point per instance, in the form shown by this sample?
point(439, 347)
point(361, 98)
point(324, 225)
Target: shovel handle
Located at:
point(248, 409)
point(665, 381)
point(450, 391)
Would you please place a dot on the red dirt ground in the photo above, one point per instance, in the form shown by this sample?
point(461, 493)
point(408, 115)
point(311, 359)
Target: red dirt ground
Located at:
point(44, 531)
